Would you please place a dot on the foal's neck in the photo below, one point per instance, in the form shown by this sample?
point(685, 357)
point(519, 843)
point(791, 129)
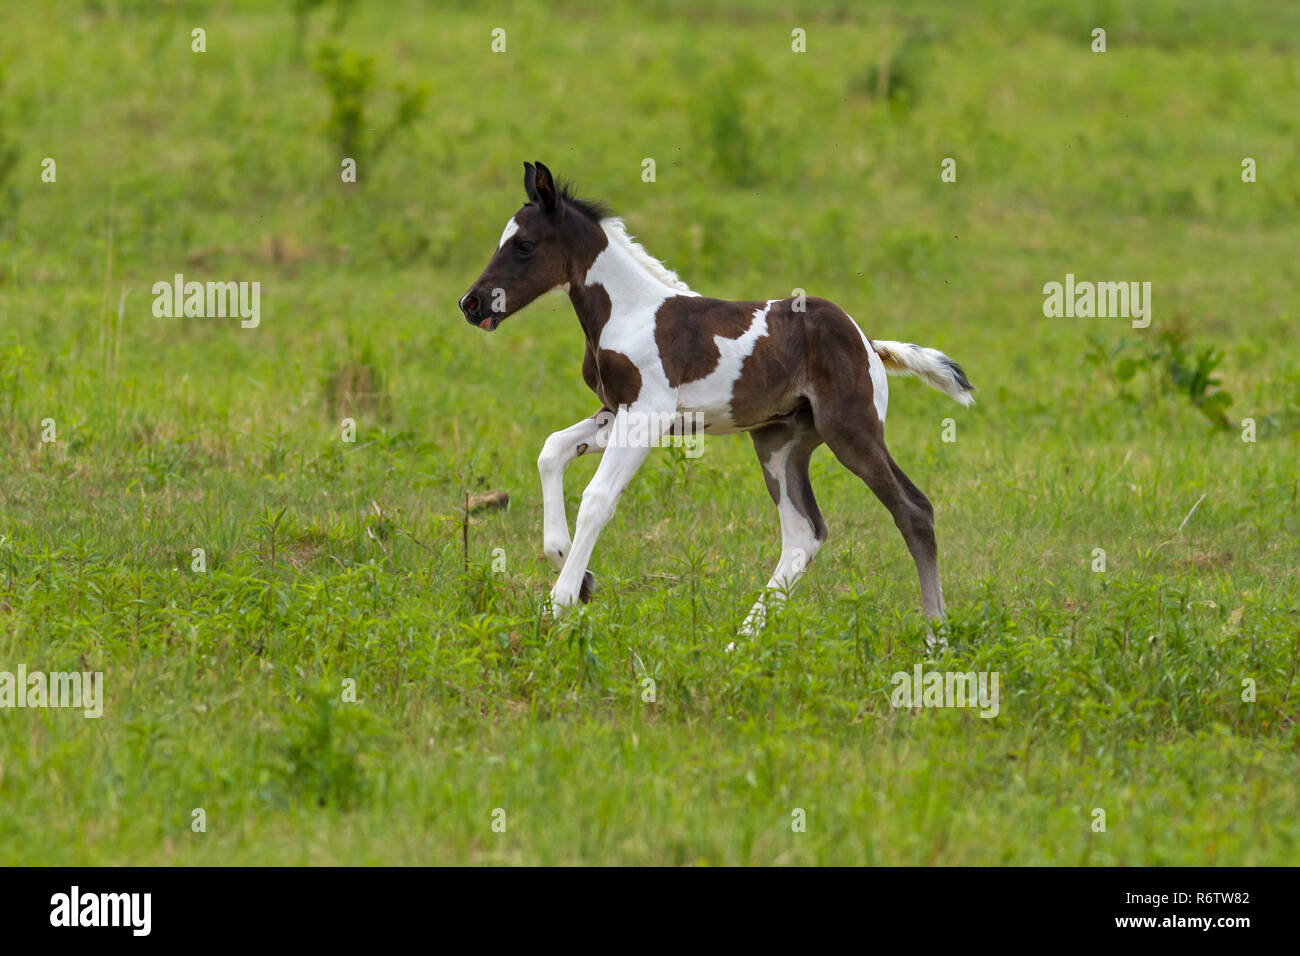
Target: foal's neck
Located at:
point(613, 284)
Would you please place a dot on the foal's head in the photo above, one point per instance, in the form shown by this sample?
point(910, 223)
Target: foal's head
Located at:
point(550, 241)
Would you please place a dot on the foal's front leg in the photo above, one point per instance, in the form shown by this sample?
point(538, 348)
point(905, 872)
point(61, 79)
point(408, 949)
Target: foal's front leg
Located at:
point(615, 470)
point(585, 438)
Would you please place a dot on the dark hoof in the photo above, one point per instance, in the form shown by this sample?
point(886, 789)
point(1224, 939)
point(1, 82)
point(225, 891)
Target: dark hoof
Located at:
point(588, 587)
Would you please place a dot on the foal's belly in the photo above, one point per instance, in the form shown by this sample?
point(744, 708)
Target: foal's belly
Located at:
point(710, 417)
point(716, 416)
point(707, 404)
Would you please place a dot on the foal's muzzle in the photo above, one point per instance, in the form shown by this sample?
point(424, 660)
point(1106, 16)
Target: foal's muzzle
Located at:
point(477, 312)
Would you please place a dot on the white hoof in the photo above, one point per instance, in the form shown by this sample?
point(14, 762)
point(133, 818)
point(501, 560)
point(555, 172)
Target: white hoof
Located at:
point(559, 606)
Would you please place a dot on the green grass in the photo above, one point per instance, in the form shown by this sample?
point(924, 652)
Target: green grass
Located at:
point(329, 562)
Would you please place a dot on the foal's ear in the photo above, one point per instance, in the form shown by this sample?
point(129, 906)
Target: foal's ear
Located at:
point(544, 186)
point(530, 182)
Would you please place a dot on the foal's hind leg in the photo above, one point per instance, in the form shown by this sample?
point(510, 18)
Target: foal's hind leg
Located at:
point(784, 449)
point(853, 432)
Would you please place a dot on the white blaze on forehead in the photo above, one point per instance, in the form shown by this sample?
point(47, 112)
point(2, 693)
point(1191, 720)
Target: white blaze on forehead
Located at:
point(511, 228)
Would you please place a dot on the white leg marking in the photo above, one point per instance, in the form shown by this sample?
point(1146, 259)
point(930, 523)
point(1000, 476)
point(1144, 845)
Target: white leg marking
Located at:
point(561, 449)
point(799, 545)
point(619, 464)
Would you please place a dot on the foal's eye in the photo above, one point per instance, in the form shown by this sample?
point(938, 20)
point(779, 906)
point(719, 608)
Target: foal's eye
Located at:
point(525, 248)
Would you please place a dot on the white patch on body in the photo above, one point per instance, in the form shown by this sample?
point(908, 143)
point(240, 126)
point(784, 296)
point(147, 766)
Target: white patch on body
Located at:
point(511, 228)
point(637, 286)
point(710, 397)
point(879, 379)
point(879, 382)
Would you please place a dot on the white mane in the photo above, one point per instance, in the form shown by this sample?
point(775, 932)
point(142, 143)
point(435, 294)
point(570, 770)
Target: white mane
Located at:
point(616, 232)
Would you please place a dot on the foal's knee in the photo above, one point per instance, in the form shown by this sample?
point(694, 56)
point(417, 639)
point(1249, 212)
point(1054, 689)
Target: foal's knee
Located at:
point(555, 551)
point(551, 459)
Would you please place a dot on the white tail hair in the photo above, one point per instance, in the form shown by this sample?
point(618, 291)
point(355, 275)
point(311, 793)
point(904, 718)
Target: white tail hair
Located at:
point(930, 365)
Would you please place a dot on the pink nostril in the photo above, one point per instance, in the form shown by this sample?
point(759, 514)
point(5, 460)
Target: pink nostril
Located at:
point(471, 302)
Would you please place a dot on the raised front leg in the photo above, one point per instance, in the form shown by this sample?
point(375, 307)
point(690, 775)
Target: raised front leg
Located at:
point(587, 437)
point(621, 461)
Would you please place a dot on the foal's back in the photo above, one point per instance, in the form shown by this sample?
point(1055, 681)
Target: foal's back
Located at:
point(746, 364)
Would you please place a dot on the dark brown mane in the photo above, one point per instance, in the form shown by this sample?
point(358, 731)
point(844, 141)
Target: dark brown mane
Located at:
point(592, 209)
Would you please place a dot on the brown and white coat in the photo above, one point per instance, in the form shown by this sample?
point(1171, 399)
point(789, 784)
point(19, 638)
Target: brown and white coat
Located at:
point(794, 373)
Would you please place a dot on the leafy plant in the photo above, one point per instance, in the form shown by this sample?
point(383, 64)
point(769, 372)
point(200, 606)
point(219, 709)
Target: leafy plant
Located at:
point(897, 79)
point(1173, 367)
point(349, 79)
point(8, 160)
point(302, 11)
point(323, 756)
point(357, 384)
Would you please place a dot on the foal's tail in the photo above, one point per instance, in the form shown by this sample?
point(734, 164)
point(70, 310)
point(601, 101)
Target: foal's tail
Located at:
point(930, 365)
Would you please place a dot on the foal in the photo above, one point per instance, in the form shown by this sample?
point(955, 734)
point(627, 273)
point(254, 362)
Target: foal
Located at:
point(794, 373)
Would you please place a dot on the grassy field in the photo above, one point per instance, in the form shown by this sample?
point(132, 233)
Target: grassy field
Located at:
point(1161, 690)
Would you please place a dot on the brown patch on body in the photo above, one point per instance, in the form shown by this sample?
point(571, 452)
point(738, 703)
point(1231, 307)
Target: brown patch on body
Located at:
point(771, 382)
point(838, 369)
point(589, 374)
point(591, 303)
point(618, 380)
point(611, 375)
point(685, 327)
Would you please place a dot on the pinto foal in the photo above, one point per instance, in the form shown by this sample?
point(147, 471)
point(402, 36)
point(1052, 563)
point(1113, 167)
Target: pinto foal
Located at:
point(793, 373)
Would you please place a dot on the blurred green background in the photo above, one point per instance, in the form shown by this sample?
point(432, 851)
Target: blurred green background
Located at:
point(775, 170)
